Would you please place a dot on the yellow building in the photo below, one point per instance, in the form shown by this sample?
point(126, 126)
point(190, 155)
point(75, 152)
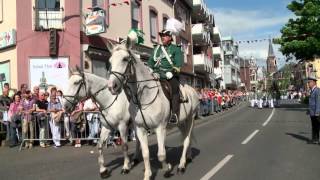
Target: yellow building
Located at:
point(313, 69)
point(8, 50)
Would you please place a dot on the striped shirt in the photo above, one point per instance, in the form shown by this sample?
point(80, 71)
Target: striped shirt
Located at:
point(27, 105)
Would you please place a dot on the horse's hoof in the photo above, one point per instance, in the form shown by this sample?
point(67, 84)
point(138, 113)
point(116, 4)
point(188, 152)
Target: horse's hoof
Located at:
point(181, 170)
point(135, 162)
point(125, 171)
point(168, 173)
point(105, 174)
point(189, 160)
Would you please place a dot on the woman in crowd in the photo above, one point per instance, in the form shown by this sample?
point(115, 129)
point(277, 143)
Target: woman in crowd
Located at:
point(77, 124)
point(14, 115)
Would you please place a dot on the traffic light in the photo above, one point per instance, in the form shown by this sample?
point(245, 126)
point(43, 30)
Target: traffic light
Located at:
point(53, 42)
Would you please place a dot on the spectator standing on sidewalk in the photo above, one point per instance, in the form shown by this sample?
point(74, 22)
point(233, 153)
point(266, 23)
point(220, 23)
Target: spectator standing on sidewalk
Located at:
point(14, 115)
point(77, 124)
point(35, 95)
point(42, 117)
point(28, 120)
point(56, 112)
point(92, 117)
point(314, 109)
point(5, 102)
point(66, 118)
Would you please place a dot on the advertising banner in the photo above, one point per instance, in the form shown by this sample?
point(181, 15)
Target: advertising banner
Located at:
point(48, 72)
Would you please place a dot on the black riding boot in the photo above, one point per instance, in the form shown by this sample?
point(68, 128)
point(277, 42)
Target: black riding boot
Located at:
point(175, 102)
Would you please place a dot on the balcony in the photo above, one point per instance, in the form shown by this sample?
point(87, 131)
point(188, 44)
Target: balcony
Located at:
point(200, 11)
point(200, 34)
point(45, 19)
point(217, 53)
point(216, 35)
point(201, 63)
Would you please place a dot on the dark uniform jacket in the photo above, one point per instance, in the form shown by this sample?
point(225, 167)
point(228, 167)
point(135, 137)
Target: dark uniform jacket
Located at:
point(164, 66)
point(314, 102)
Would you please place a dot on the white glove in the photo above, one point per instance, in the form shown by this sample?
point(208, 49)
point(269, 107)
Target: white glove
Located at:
point(151, 70)
point(169, 75)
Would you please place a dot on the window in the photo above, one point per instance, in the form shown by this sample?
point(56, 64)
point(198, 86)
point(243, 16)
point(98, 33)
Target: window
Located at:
point(48, 14)
point(185, 49)
point(182, 15)
point(51, 5)
point(135, 14)
point(1, 11)
point(153, 25)
point(98, 3)
point(164, 21)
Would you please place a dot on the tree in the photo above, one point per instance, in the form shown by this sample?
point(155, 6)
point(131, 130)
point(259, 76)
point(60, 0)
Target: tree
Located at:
point(301, 35)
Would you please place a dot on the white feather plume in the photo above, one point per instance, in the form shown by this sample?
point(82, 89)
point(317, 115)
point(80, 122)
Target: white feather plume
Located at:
point(174, 26)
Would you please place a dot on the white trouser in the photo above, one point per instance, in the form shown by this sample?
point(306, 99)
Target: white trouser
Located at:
point(55, 131)
point(252, 102)
point(260, 103)
point(67, 125)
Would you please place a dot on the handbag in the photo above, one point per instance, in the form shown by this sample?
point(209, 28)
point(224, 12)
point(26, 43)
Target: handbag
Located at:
point(76, 117)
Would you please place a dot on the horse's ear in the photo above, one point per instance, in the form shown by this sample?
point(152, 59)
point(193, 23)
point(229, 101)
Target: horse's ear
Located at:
point(109, 45)
point(129, 43)
point(78, 69)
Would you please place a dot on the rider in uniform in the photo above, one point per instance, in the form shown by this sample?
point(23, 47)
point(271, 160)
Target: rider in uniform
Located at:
point(166, 62)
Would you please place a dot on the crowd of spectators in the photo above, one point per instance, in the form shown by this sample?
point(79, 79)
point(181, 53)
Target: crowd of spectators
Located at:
point(37, 117)
point(214, 101)
point(27, 115)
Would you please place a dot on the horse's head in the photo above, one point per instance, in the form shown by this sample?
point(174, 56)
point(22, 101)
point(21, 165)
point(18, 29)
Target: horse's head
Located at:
point(121, 62)
point(76, 92)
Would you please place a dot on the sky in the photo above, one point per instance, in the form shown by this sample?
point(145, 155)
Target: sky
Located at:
point(247, 20)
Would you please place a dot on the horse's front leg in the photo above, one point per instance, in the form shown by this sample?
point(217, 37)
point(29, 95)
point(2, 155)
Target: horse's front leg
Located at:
point(123, 135)
point(104, 172)
point(143, 138)
point(186, 131)
point(138, 151)
point(161, 138)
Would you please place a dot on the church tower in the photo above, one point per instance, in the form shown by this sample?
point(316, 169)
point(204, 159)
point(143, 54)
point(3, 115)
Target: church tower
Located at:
point(271, 60)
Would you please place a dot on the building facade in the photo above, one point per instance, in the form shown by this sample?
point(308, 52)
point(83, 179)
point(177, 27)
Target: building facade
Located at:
point(48, 41)
point(8, 48)
point(202, 35)
point(147, 16)
point(231, 63)
point(182, 12)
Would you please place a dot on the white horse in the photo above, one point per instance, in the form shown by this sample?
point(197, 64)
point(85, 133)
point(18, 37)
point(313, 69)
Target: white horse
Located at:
point(114, 109)
point(150, 109)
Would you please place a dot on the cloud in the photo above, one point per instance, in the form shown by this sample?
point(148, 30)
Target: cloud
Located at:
point(252, 25)
point(232, 21)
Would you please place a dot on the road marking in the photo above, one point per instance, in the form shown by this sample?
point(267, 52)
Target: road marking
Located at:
point(250, 137)
point(269, 118)
point(214, 170)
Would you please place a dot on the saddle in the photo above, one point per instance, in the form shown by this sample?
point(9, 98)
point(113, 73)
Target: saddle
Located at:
point(167, 90)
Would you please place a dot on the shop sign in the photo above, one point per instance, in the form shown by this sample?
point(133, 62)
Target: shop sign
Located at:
point(7, 39)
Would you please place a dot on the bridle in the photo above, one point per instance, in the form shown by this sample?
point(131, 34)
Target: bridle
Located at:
point(127, 73)
point(76, 98)
point(130, 71)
